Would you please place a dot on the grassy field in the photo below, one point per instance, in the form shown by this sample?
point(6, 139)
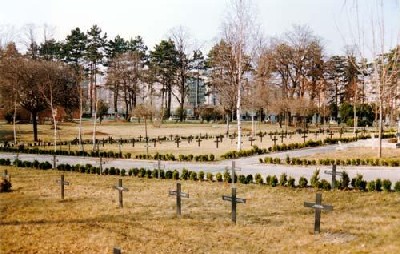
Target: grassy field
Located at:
point(33, 219)
point(69, 131)
point(357, 153)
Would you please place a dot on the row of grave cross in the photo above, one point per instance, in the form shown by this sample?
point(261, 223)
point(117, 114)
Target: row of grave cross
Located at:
point(318, 206)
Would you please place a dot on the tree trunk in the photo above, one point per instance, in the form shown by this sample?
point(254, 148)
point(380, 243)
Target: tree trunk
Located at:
point(34, 124)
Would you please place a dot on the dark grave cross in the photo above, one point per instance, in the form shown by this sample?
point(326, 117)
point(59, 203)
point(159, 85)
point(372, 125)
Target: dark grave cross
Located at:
point(234, 200)
point(217, 141)
point(177, 141)
point(140, 138)
point(62, 184)
point(133, 142)
point(333, 172)
point(274, 139)
point(282, 136)
point(199, 141)
point(331, 134)
point(318, 206)
point(261, 135)
point(251, 139)
point(120, 189)
point(154, 142)
point(304, 136)
point(179, 194)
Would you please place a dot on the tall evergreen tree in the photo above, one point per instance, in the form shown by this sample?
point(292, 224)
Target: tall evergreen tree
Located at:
point(163, 59)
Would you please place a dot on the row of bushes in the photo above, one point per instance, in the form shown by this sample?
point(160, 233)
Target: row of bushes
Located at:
point(327, 162)
point(287, 147)
point(345, 183)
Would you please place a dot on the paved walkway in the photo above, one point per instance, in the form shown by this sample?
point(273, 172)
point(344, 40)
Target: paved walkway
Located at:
point(249, 165)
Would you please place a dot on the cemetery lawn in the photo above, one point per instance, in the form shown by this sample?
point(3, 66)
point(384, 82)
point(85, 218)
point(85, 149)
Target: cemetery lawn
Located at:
point(33, 219)
point(357, 153)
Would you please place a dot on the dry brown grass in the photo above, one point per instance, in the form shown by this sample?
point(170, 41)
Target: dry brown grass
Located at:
point(34, 220)
point(357, 153)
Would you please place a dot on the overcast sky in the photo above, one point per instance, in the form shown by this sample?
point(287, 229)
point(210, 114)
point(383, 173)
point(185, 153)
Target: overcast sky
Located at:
point(152, 19)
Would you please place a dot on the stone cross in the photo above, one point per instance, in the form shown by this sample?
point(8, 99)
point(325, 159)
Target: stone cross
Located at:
point(179, 194)
point(251, 139)
point(120, 190)
point(304, 136)
point(177, 141)
point(234, 200)
point(318, 206)
point(198, 141)
point(261, 135)
point(274, 139)
point(331, 134)
point(333, 173)
point(62, 184)
point(282, 136)
point(217, 141)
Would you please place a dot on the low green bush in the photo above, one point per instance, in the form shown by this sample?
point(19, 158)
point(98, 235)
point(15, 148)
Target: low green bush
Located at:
point(387, 185)
point(303, 182)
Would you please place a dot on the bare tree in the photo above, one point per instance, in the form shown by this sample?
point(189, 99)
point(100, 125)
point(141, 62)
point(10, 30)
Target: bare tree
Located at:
point(384, 72)
point(238, 33)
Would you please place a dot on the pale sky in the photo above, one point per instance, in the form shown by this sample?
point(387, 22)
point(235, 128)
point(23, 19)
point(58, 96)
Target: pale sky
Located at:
point(153, 19)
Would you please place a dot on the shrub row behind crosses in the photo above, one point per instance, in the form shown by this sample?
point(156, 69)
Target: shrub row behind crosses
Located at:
point(357, 183)
point(328, 162)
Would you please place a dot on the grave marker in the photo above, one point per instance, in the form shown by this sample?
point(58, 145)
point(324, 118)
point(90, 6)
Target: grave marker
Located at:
point(282, 136)
point(318, 206)
point(251, 139)
point(120, 190)
point(304, 136)
point(234, 200)
point(62, 184)
point(333, 173)
point(179, 194)
point(198, 141)
point(331, 133)
point(274, 139)
point(177, 141)
point(261, 135)
point(216, 141)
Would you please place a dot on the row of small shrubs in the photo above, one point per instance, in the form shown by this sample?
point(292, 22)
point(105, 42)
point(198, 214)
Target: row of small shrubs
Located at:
point(345, 183)
point(327, 162)
point(255, 150)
